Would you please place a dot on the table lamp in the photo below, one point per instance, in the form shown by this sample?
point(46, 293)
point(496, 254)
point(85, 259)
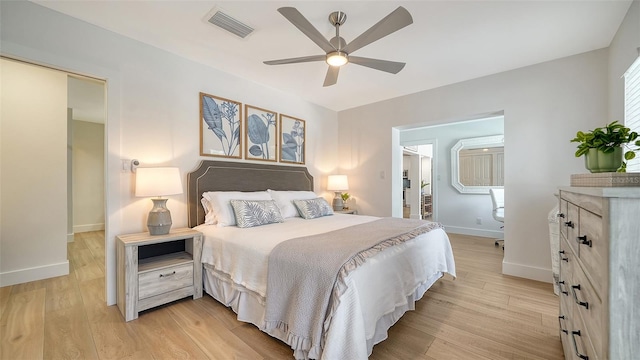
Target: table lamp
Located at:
point(338, 183)
point(158, 181)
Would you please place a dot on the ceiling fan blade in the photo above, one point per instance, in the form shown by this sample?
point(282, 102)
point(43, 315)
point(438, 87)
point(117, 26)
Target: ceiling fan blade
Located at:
point(297, 60)
point(299, 21)
point(383, 65)
point(393, 22)
point(332, 76)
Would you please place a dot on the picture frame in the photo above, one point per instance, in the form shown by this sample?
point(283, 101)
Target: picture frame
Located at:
point(292, 140)
point(261, 134)
point(220, 127)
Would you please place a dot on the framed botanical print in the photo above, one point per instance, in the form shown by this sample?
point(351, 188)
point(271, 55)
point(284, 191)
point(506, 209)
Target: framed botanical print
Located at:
point(220, 127)
point(292, 140)
point(261, 134)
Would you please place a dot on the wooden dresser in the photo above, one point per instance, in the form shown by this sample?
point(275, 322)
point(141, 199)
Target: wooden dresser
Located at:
point(600, 272)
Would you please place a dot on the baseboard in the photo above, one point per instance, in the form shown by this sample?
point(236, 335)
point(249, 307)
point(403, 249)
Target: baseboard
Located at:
point(474, 232)
point(527, 272)
point(70, 237)
point(87, 228)
point(35, 273)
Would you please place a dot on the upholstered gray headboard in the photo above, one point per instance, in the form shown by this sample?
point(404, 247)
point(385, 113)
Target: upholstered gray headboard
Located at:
point(234, 176)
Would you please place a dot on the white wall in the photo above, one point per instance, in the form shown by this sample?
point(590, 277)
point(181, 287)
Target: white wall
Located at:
point(544, 105)
point(624, 49)
point(458, 212)
point(33, 235)
point(152, 106)
point(88, 176)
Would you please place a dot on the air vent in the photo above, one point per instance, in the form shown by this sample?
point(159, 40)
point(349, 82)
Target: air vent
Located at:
point(230, 24)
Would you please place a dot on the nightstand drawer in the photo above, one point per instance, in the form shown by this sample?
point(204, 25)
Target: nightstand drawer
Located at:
point(164, 280)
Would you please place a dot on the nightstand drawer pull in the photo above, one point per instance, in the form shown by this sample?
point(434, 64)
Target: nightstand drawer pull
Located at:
point(569, 224)
point(583, 240)
point(575, 296)
point(560, 318)
point(575, 345)
point(167, 275)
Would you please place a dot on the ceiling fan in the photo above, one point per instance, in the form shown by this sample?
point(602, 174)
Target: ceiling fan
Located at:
point(338, 52)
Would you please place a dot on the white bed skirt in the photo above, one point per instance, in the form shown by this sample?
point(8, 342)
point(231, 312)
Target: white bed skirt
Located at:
point(346, 337)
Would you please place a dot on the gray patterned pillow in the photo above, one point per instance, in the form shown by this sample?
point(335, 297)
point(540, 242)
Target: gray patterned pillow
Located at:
point(250, 213)
point(313, 208)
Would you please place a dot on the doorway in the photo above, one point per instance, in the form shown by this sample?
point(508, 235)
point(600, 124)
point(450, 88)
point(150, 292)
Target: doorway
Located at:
point(37, 169)
point(417, 181)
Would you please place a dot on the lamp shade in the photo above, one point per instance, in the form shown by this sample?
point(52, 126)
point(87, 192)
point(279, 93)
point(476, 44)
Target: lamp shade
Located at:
point(158, 181)
point(338, 183)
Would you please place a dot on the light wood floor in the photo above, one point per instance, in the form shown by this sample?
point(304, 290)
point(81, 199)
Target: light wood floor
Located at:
point(480, 315)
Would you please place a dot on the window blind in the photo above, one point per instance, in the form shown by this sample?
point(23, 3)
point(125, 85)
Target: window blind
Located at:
point(632, 106)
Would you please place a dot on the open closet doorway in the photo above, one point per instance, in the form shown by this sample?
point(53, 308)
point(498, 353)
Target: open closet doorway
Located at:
point(417, 181)
point(86, 125)
point(41, 149)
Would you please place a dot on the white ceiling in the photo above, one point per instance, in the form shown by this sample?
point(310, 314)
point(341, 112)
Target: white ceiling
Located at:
point(448, 42)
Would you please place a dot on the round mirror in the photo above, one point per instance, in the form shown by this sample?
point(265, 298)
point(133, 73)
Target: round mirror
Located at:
point(477, 164)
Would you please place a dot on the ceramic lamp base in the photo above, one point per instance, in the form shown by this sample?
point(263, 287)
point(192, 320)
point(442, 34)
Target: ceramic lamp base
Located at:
point(338, 204)
point(159, 220)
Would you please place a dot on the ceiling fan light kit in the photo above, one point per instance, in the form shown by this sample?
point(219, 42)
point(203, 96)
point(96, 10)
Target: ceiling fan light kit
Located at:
point(337, 51)
point(337, 58)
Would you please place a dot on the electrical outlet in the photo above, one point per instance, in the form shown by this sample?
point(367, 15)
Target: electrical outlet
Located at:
point(479, 220)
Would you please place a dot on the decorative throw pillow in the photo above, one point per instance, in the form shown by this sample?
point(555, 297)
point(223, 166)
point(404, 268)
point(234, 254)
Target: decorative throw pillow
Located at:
point(219, 202)
point(284, 199)
point(313, 208)
point(250, 213)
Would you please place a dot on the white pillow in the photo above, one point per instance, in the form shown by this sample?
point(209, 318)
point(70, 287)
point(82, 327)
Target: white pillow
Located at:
point(220, 202)
point(210, 215)
point(284, 199)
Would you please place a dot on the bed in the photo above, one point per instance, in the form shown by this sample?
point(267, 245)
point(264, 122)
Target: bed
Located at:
point(370, 292)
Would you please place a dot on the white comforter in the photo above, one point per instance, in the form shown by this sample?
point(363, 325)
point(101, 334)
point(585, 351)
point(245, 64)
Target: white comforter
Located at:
point(379, 291)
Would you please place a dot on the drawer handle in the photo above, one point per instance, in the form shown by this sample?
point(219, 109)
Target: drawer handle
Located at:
point(562, 257)
point(560, 318)
point(569, 224)
point(560, 215)
point(167, 275)
point(583, 240)
point(560, 283)
point(575, 345)
point(575, 296)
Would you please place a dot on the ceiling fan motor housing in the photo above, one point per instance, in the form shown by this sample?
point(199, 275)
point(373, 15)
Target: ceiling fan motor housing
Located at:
point(337, 18)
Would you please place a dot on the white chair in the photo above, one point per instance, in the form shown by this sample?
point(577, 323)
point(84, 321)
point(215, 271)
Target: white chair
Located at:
point(497, 197)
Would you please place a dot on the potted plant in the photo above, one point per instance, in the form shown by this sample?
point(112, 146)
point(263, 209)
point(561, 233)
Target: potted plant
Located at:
point(603, 147)
point(345, 197)
point(422, 185)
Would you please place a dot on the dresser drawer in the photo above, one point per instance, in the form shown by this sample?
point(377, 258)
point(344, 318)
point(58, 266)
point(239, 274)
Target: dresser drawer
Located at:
point(593, 249)
point(567, 260)
point(571, 225)
point(164, 280)
point(588, 307)
point(581, 340)
point(563, 216)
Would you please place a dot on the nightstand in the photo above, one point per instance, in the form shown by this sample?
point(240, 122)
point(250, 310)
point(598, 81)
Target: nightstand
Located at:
point(349, 211)
point(153, 270)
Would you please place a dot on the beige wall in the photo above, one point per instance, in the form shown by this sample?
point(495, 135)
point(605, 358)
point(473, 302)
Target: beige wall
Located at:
point(33, 242)
point(88, 176)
